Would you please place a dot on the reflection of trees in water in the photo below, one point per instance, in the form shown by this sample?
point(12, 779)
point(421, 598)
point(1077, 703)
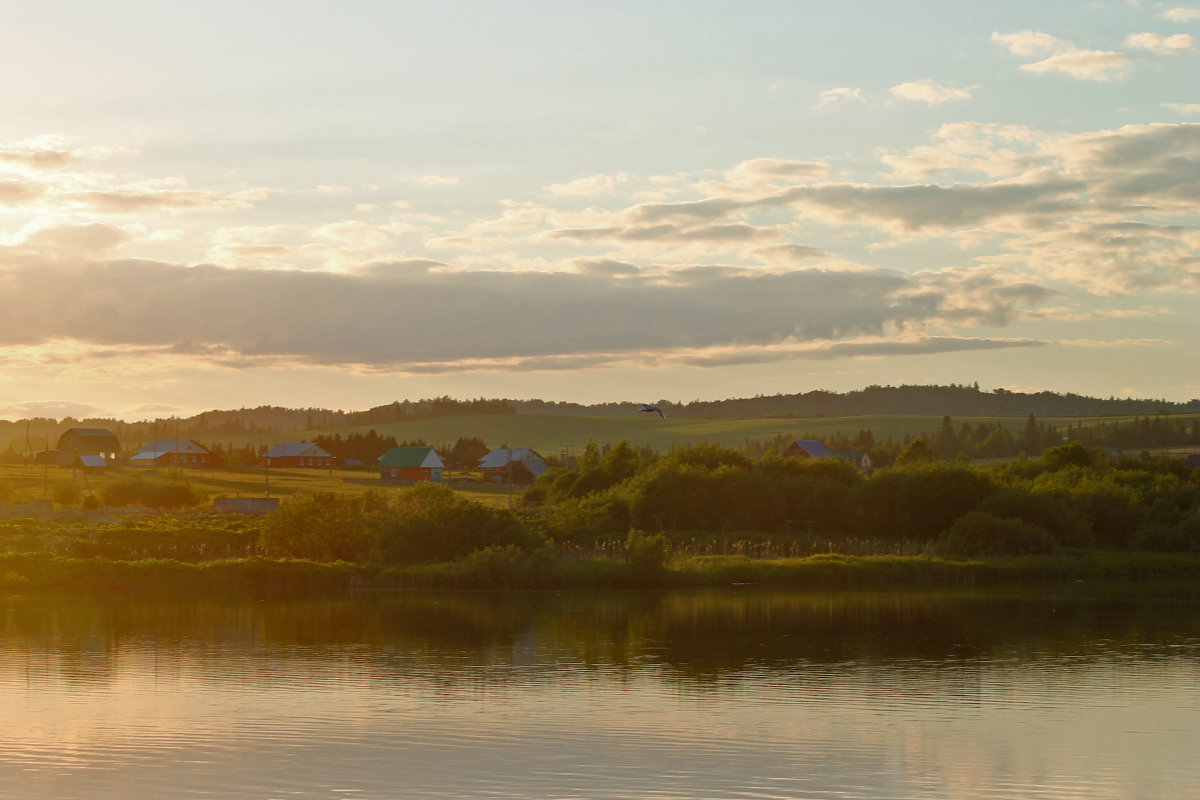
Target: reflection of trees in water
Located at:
point(444, 638)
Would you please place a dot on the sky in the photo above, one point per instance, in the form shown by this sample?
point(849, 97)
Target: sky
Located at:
point(226, 204)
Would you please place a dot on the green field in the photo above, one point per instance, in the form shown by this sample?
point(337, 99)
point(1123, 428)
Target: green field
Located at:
point(554, 435)
point(25, 483)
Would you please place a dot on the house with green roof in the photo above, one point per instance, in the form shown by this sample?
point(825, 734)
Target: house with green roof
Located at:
point(410, 465)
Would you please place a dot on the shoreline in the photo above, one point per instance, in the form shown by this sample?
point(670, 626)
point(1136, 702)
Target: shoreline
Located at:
point(508, 571)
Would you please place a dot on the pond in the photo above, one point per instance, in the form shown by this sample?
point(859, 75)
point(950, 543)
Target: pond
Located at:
point(735, 694)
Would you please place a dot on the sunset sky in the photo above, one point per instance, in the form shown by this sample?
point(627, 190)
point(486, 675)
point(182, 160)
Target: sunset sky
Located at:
point(227, 204)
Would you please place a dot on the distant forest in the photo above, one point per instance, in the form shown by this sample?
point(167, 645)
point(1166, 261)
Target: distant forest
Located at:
point(955, 401)
point(952, 400)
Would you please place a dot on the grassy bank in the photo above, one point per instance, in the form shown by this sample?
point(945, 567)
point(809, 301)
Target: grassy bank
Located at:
point(507, 569)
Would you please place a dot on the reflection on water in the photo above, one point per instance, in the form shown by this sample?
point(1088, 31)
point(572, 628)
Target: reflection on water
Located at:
point(704, 695)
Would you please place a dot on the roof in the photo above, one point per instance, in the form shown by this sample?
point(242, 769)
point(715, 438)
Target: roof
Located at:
point(289, 449)
point(97, 440)
point(92, 460)
point(411, 457)
point(812, 447)
point(162, 446)
point(502, 457)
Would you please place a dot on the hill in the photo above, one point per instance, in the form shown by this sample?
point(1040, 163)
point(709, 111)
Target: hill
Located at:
point(888, 411)
point(953, 400)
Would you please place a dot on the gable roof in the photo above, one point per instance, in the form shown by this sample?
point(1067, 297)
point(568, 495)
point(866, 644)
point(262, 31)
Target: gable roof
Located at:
point(503, 456)
point(289, 449)
point(812, 448)
point(411, 457)
point(93, 440)
point(161, 446)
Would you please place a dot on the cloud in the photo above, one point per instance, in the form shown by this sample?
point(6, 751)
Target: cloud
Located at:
point(926, 91)
point(1064, 56)
point(1186, 109)
point(1092, 65)
point(988, 148)
point(38, 158)
point(1182, 14)
point(787, 254)
point(668, 233)
point(439, 180)
point(1176, 45)
point(917, 207)
point(763, 170)
point(136, 201)
point(588, 185)
point(53, 409)
point(14, 192)
point(394, 319)
point(49, 153)
point(1031, 43)
point(840, 96)
point(90, 240)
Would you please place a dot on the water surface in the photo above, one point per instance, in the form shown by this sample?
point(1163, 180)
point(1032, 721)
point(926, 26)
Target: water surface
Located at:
point(701, 695)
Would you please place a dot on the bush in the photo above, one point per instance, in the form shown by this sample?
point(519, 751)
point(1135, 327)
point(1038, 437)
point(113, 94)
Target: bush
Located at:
point(431, 523)
point(1040, 510)
point(136, 490)
point(67, 493)
point(587, 518)
point(324, 526)
point(979, 534)
point(1182, 537)
point(918, 503)
point(646, 554)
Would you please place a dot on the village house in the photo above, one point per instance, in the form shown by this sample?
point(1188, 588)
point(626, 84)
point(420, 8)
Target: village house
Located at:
point(811, 448)
point(512, 465)
point(91, 449)
point(300, 455)
point(807, 448)
point(175, 453)
point(410, 465)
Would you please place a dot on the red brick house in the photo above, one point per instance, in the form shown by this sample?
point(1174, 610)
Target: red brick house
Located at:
point(175, 453)
point(298, 455)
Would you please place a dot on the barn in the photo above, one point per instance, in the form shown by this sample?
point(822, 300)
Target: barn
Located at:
point(89, 449)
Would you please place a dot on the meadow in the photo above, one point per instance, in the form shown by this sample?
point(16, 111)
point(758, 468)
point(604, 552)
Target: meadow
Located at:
point(554, 435)
point(25, 483)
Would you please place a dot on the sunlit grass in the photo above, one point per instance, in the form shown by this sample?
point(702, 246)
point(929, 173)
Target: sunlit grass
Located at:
point(26, 483)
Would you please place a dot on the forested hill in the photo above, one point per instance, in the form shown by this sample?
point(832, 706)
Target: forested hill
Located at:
point(955, 401)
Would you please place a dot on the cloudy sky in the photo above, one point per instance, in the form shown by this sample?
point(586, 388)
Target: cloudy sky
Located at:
point(225, 204)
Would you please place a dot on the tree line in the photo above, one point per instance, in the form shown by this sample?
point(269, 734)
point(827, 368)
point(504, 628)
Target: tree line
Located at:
point(1072, 496)
point(954, 399)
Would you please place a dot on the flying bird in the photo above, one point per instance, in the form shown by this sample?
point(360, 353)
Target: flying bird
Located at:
point(649, 409)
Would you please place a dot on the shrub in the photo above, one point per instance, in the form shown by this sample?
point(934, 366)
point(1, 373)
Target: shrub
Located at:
point(646, 554)
point(1183, 537)
point(136, 490)
point(918, 503)
point(432, 523)
point(584, 519)
point(1040, 510)
point(324, 526)
point(67, 493)
point(978, 533)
